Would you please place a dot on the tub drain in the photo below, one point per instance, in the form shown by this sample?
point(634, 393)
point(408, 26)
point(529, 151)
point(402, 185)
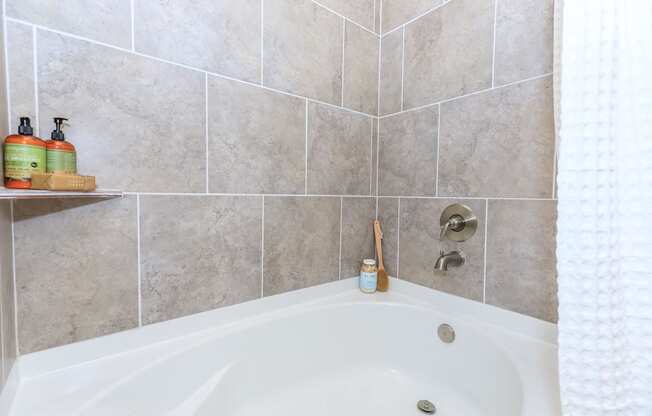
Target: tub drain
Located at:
point(426, 407)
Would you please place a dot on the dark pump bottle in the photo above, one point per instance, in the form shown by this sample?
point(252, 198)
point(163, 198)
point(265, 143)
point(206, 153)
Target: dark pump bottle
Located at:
point(24, 154)
point(61, 155)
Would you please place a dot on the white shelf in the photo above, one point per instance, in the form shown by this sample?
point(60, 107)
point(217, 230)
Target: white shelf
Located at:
point(6, 193)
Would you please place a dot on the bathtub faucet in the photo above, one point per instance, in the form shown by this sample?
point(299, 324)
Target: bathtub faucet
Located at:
point(453, 258)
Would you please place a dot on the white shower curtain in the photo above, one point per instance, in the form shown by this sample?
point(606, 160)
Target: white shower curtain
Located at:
point(604, 230)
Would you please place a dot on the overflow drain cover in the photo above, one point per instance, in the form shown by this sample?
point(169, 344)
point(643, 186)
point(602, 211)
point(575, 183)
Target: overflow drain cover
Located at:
point(426, 407)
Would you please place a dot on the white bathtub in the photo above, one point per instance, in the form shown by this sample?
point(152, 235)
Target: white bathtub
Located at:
point(328, 350)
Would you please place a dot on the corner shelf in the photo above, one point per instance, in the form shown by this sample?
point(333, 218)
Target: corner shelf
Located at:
point(6, 193)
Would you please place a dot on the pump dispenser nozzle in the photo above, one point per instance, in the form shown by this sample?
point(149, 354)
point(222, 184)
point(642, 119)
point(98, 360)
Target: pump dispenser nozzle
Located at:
point(57, 133)
point(25, 128)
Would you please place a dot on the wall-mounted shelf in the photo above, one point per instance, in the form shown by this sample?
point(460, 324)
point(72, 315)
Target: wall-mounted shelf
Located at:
point(6, 193)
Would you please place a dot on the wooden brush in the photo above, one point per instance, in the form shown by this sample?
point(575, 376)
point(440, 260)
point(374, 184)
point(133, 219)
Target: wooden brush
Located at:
point(383, 279)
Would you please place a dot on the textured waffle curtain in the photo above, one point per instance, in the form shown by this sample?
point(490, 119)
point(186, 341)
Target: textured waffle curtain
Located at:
point(603, 73)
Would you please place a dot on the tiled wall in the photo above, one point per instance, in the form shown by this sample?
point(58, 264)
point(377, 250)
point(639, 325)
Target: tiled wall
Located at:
point(246, 135)
point(243, 132)
point(8, 350)
point(466, 116)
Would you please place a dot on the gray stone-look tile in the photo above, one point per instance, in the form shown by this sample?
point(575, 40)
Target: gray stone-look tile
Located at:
point(408, 153)
point(137, 123)
point(76, 270)
point(359, 11)
point(388, 217)
point(420, 247)
point(339, 151)
point(301, 242)
point(360, 70)
point(499, 143)
point(210, 259)
point(524, 39)
point(20, 66)
point(521, 257)
point(218, 36)
point(302, 51)
point(448, 52)
point(256, 139)
point(391, 69)
point(398, 12)
point(8, 335)
point(358, 215)
point(107, 21)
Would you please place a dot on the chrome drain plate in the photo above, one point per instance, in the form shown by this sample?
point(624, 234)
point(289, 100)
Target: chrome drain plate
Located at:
point(426, 407)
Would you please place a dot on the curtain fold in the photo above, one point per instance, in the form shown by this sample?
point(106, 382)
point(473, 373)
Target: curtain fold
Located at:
point(604, 187)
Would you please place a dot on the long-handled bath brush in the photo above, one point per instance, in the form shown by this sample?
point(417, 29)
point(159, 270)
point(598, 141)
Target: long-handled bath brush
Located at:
point(383, 279)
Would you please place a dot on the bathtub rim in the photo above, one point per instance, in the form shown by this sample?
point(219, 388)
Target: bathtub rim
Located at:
point(42, 362)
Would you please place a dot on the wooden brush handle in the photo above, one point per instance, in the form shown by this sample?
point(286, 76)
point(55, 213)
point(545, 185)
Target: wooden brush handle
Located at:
point(378, 234)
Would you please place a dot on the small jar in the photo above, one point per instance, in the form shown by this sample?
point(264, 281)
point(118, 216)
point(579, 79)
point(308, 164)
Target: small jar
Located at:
point(368, 276)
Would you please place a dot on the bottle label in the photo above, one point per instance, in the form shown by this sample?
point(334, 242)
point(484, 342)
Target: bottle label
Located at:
point(368, 281)
point(21, 160)
point(61, 161)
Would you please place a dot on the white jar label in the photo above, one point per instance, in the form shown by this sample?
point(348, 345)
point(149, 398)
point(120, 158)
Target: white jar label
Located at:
point(368, 281)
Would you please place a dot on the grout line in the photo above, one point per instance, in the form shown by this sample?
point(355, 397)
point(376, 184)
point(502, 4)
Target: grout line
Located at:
point(377, 161)
point(262, 250)
point(202, 71)
point(35, 58)
point(402, 67)
point(371, 160)
point(133, 26)
point(493, 55)
point(343, 49)
point(262, 43)
point(437, 162)
point(447, 100)
point(484, 273)
point(305, 182)
point(345, 18)
point(380, 20)
point(138, 241)
point(340, 261)
point(190, 194)
point(206, 128)
point(398, 239)
point(13, 269)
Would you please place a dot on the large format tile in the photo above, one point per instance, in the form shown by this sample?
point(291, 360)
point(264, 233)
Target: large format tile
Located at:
point(302, 51)
point(359, 11)
point(78, 278)
point(20, 70)
point(358, 215)
point(301, 242)
point(256, 139)
point(8, 335)
point(449, 52)
point(408, 153)
point(524, 39)
point(339, 151)
point(398, 12)
point(388, 217)
point(210, 259)
point(420, 247)
point(107, 21)
point(360, 70)
point(391, 72)
point(499, 143)
point(218, 36)
point(137, 123)
point(521, 257)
